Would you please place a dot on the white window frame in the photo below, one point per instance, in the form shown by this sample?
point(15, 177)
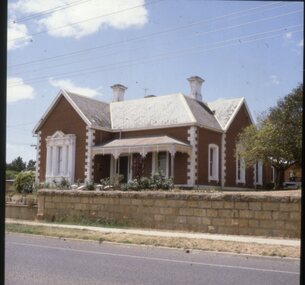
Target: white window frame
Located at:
point(154, 165)
point(215, 163)
point(258, 173)
point(241, 166)
point(60, 145)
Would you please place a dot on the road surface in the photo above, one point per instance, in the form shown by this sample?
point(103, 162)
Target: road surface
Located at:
point(53, 261)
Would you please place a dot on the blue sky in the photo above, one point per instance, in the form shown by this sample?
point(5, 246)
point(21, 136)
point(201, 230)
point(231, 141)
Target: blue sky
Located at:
point(241, 48)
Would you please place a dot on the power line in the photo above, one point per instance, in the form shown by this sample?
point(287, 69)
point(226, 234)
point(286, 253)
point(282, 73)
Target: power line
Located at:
point(152, 34)
point(198, 34)
point(19, 125)
point(238, 41)
point(48, 11)
point(84, 21)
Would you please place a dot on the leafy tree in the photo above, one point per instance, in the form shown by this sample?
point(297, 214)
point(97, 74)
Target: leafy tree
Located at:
point(17, 164)
point(277, 139)
point(31, 165)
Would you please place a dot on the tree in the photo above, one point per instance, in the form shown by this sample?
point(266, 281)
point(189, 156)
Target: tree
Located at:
point(31, 165)
point(17, 164)
point(277, 138)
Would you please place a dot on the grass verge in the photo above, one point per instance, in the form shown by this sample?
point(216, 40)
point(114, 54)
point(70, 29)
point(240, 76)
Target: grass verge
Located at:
point(185, 243)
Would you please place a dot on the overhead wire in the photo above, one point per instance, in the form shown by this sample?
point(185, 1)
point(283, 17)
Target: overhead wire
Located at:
point(238, 41)
point(152, 34)
point(197, 34)
point(48, 11)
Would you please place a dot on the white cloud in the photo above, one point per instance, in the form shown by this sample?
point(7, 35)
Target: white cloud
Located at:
point(275, 80)
point(20, 91)
point(301, 43)
point(69, 85)
point(288, 35)
point(132, 17)
point(17, 35)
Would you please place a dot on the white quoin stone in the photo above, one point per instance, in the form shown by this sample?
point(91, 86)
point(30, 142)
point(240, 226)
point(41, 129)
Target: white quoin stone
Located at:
point(118, 92)
point(195, 83)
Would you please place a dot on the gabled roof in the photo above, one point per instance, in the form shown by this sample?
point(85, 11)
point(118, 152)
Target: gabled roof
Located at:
point(147, 113)
point(97, 112)
point(202, 113)
point(161, 111)
point(225, 110)
point(93, 112)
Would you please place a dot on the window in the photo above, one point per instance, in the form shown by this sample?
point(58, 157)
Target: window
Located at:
point(160, 163)
point(240, 169)
point(213, 162)
point(60, 159)
point(258, 173)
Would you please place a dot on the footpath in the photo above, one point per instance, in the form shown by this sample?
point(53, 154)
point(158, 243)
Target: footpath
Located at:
point(170, 234)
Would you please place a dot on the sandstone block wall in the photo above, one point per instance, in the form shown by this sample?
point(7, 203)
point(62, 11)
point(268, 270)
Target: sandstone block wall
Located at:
point(23, 212)
point(241, 214)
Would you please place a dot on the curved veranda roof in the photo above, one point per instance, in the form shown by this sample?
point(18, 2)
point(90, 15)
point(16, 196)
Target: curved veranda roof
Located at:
point(142, 145)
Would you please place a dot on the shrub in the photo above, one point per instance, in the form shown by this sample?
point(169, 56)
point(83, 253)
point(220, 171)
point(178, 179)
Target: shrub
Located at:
point(10, 174)
point(24, 182)
point(159, 181)
point(132, 185)
point(63, 184)
point(269, 186)
point(89, 185)
point(105, 182)
point(144, 182)
point(116, 180)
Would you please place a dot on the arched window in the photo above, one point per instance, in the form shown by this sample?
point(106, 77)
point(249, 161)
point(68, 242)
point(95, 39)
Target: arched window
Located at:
point(213, 162)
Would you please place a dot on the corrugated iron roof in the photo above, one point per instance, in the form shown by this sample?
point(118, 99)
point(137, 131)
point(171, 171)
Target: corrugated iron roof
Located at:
point(224, 109)
point(97, 112)
point(154, 112)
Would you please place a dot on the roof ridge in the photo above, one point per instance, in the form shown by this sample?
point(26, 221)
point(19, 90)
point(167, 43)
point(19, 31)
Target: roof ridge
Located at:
point(150, 98)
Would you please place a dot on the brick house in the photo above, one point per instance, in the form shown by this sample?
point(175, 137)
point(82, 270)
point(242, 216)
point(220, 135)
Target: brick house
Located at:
point(194, 142)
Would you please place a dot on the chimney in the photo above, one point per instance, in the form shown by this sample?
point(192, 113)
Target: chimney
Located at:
point(195, 83)
point(118, 92)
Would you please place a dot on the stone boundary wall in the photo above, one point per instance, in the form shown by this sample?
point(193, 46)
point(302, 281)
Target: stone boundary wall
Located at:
point(23, 212)
point(221, 213)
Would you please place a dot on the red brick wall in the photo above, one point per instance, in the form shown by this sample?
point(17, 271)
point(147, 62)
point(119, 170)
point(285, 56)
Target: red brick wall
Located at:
point(180, 168)
point(102, 137)
point(64, 118)
point(176, 133)
point(206, 137)
point(241, 121)
point(101, 167)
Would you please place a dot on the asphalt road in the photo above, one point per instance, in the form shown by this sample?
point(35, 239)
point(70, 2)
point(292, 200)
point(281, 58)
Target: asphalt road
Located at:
point(39, 260)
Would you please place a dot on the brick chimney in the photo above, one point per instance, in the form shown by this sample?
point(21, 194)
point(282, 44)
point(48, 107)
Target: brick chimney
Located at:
point(195, 84)
point(118, 92)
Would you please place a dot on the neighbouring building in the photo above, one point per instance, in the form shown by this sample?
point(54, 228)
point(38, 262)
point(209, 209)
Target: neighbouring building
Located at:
point(195, 142)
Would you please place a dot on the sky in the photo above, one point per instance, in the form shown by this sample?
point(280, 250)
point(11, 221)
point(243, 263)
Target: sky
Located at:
point(250, 49)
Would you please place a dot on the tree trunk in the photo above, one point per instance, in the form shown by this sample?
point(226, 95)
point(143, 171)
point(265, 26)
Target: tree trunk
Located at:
point(279, 178)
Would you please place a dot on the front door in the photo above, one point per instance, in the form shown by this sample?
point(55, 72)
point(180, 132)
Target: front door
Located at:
point(123, 167)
